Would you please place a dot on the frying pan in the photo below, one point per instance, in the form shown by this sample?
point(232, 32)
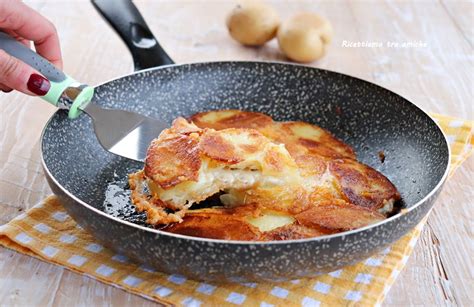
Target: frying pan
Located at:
point(366, 116)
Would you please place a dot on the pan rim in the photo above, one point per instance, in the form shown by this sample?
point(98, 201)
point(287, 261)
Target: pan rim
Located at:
point(240, 242)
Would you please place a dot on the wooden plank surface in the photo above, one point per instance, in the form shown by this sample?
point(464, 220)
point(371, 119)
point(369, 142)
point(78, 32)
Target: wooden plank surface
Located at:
point(438, 77)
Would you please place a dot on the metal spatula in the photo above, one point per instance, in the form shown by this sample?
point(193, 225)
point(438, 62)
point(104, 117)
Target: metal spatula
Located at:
point(121, 132)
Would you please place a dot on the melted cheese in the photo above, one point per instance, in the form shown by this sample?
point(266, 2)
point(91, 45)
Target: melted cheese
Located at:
point(270, 221)
point(212, 180)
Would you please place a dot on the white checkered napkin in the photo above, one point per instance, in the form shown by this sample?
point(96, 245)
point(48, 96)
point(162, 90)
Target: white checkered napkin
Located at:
point(77, 250)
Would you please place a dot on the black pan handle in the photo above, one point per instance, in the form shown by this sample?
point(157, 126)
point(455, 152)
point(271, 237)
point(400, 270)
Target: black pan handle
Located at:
point(127, 21)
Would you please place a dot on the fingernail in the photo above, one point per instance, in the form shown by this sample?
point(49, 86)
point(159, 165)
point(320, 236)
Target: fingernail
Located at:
point(38, 84)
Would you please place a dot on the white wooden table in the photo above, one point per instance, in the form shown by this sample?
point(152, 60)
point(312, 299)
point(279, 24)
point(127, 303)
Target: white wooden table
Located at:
point(437, 77)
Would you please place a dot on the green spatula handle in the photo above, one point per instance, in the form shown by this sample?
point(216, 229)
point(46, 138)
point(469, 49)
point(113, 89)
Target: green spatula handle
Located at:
point(65, 92)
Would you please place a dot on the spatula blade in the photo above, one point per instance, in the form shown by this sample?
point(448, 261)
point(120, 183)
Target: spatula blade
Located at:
point(124, 133)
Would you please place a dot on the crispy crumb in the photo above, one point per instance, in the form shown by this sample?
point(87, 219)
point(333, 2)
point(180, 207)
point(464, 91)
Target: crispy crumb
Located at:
point(381, 156)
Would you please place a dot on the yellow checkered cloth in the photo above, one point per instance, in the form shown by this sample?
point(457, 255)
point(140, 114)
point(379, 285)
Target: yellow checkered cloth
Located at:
point(47, 232)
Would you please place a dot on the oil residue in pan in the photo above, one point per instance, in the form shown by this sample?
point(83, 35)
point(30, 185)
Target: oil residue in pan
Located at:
point(117, 202)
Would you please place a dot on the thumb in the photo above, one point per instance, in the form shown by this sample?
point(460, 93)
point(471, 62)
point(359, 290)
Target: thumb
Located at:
point(17, 75)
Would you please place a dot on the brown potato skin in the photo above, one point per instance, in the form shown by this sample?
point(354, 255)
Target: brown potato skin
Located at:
point(253, 24)
point(304, 37)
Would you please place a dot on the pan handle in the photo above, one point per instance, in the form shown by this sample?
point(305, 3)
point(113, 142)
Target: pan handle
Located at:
point(127, 21)
point(64, 92)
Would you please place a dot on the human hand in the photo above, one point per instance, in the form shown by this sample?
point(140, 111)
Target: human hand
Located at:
point(26, 25)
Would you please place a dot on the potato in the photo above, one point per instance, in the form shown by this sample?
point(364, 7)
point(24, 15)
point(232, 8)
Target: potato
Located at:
point(253, 24)
point(303, 37)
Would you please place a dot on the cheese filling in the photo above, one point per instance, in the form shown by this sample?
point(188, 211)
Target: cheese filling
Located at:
point(269, 221)
point(212, 181)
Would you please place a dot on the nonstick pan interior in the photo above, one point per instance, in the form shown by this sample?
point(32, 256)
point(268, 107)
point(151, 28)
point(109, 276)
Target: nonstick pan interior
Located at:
point(366, 116)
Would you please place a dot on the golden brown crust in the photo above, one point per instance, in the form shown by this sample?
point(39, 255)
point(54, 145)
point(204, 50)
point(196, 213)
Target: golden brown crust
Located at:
point(337, 216)
point(310, 165)
point(216, 224)
point(309, 136)
point(224, 119)
point(344, 194)
point(291, 232)
point(314, 139)
point(231, 145)
point(362, 185)
point(176, 155)
point(154, 207)
point(214, 146)
point(172, 161)
point(233, 224)
point(186, 165)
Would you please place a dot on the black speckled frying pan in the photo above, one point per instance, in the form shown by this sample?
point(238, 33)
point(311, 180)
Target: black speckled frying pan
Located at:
point(366, 116)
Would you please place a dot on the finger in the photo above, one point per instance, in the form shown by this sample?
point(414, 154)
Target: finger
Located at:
point(19, 76)
point(5, 88)
point(22, 40)
point(27, 23)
